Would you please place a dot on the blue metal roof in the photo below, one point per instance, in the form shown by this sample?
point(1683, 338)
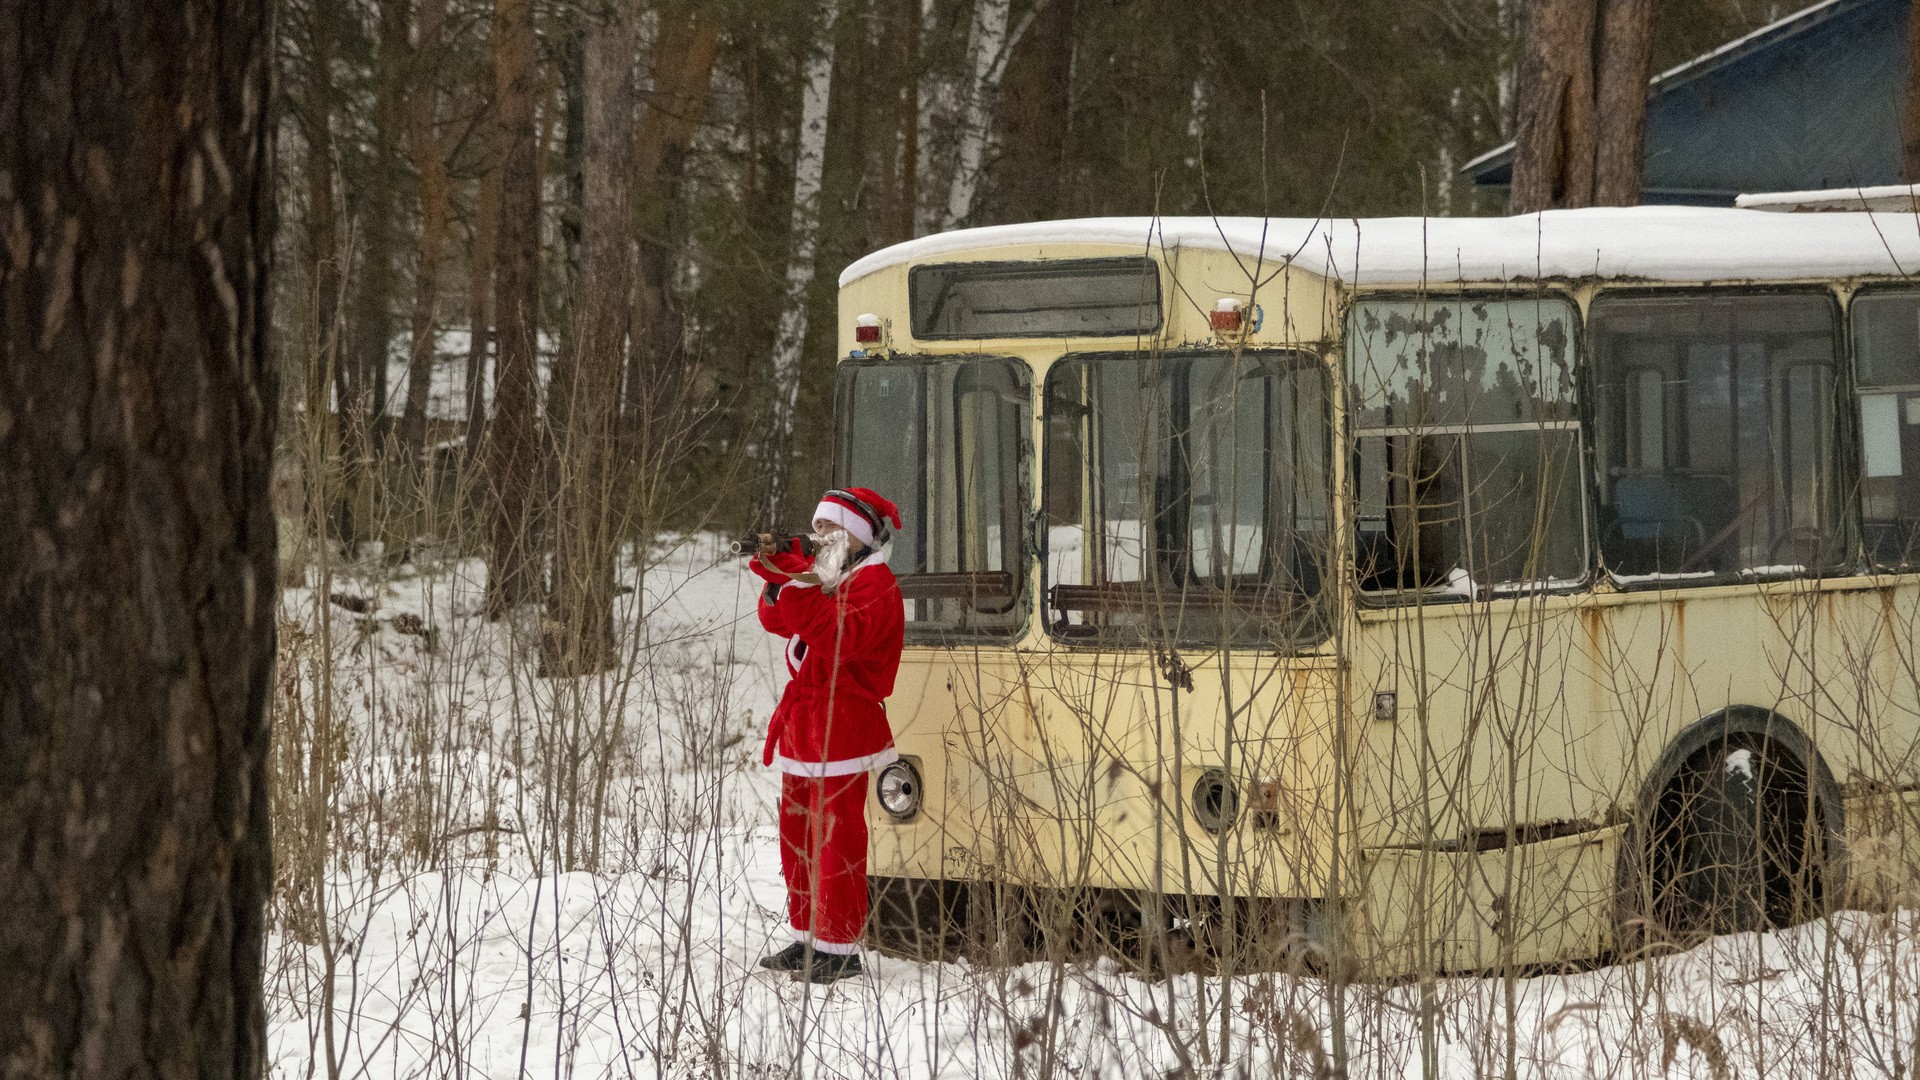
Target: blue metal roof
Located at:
point(1811, 101)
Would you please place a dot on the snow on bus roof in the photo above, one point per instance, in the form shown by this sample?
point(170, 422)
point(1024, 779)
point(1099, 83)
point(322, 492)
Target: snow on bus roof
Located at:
point(1657, 243)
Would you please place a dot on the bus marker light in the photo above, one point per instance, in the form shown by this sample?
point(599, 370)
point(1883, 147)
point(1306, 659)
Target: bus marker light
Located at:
point(866, 329)
point(1266, 803)
point(1226, 315)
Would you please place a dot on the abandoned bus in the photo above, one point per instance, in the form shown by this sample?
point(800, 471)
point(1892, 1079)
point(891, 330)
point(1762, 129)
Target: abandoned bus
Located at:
point(1427, 595)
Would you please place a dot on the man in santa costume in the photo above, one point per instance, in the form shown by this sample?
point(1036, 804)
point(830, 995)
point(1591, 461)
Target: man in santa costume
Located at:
point(844, 622)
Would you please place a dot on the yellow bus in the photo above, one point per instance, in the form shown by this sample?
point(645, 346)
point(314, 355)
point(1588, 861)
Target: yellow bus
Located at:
point(1401, 595)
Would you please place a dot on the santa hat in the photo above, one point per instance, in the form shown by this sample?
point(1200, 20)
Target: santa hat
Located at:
point(863, 512)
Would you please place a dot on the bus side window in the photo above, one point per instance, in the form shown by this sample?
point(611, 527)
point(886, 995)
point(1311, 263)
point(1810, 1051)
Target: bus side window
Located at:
point(1466, 445)
point(1886, 349)
point(1715, 417)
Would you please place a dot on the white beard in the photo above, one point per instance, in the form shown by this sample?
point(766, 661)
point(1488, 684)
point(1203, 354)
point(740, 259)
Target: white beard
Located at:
point(831, 554)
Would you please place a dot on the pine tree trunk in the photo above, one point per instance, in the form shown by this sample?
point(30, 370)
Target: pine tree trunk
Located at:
point(579, 631)
point(1620, 90)
point(802, 246)
point(480, 334)
point(138, 591)
point(573, 137)
point(363, 412)
point(513, 439)
point(1553, 133)
point(430, 164)
point(1033, 112)
point(685, 50)
point(900, 166)
point(1910, 127)
point(326, 261)
point(1581, 130)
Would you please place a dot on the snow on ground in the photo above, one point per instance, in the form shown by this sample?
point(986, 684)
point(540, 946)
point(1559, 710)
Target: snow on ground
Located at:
point(481, 923)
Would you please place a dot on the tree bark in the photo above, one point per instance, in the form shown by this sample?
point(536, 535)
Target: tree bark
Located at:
point(1910, 125)
point(363, 409)
point(513, 438)
point(579, 635)
point(571, 86)
point(430, 164)
point(1553, 132)
point(1581, 100)
point(900, 167)
point(685, 50)
point(137, 595)
point(327, 256)
point(1620, 90)
point(480, 335)
point(1033, 117)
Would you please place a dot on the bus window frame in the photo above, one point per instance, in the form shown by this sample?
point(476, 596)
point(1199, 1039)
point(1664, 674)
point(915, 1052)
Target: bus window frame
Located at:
point(1851, 560)
point(1584, 451)
point(1325, 599)
point(1853, 448)
point(1026, 491)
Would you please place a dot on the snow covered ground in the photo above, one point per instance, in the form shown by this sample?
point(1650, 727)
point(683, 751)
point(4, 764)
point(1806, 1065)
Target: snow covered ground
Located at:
point(459, 895)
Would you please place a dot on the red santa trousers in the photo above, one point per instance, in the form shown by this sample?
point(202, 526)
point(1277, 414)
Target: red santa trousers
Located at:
point(823, 855)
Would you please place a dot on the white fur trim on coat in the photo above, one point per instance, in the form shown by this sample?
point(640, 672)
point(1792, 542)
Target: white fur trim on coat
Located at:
point(846, 519)
point(842, 767)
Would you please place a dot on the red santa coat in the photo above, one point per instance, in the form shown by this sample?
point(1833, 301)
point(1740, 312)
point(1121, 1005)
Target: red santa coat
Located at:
point(843, 652)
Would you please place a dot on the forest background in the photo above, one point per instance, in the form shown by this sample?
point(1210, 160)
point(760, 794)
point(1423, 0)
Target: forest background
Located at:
point(449, 169)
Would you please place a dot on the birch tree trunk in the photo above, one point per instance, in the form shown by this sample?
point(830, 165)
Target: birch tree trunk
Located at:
point(803, 243)
point(138, 592)
point(513, 438)
point(986, 49)
point(579, 630)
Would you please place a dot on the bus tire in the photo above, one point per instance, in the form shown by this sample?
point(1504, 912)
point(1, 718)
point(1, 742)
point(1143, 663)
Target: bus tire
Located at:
point(1739, 828)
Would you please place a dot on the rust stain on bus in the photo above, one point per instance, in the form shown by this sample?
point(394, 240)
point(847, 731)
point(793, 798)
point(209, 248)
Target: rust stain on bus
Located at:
point(1680, 631)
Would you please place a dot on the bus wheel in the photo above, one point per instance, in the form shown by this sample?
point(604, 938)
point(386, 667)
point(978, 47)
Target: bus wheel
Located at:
point(1737, 838)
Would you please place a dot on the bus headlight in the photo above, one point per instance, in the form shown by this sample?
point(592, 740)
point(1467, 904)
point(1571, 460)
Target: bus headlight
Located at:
point(1215, 803)
point(899, 790)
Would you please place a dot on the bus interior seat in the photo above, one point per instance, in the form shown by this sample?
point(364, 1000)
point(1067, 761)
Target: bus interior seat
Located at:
point(1662, 517)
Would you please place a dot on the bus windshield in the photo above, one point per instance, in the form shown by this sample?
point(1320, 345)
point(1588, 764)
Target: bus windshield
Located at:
point(1186, 497)
point(947, 439)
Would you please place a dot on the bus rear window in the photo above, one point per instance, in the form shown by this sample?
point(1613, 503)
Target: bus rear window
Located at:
point(1067, 298)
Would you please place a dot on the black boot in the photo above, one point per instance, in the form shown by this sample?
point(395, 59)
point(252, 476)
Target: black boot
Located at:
point(791, 958)
point(829, 968)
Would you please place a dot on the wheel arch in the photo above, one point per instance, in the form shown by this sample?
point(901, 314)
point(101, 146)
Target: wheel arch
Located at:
point(1734, 720)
